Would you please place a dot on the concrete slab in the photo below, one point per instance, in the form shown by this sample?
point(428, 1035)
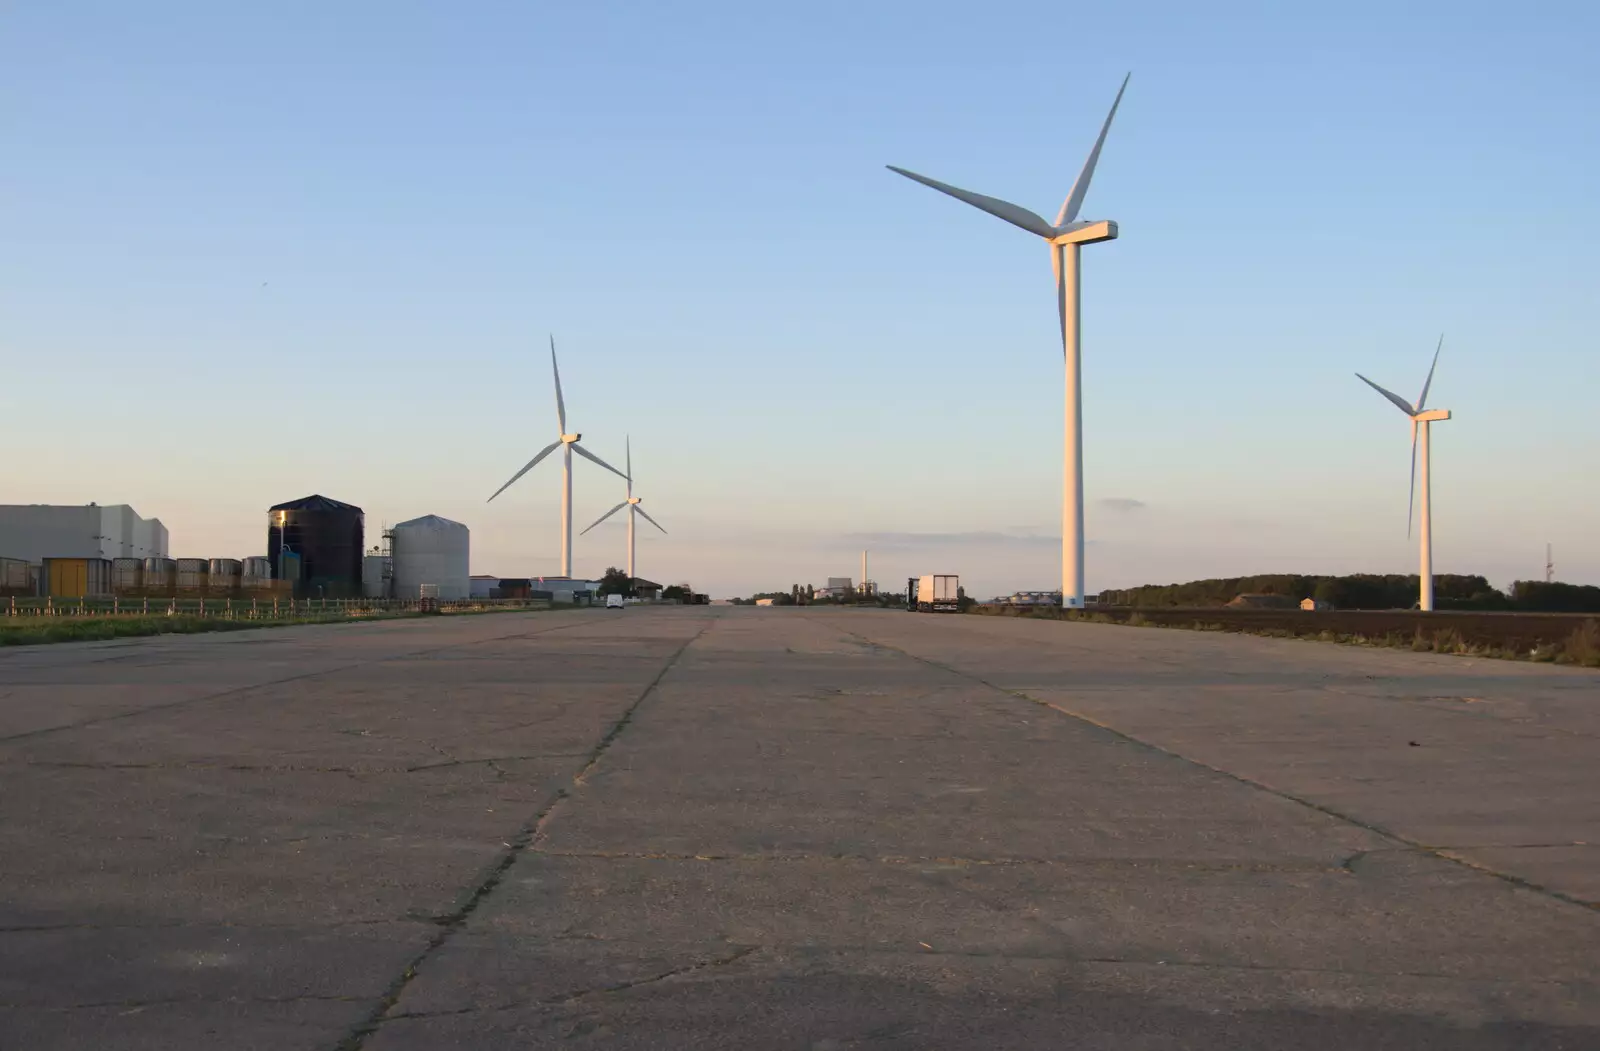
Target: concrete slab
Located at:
point(791, 828)
point(1442, 751)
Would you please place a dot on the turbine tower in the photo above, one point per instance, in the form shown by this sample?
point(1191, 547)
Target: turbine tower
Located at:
point(1065, 236)
point(632, 504)
point(568, 444)
point(1420, 417)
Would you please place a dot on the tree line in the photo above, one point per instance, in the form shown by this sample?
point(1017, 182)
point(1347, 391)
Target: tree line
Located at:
point(806, 595)
point(1369, 591)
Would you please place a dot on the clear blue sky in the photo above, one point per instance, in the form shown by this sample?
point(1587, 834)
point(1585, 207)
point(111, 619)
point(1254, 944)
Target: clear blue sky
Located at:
point(254, 251)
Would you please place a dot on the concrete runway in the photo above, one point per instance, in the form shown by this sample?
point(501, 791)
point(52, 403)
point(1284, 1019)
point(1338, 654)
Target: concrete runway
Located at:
point(770, 828)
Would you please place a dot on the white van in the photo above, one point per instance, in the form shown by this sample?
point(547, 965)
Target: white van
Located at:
point(614, 601)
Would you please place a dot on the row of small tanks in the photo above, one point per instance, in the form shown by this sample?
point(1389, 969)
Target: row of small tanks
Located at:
point(197, 576)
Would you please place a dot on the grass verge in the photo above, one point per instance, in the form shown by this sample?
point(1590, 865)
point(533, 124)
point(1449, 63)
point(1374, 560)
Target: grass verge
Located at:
point(1566, 640)
point(34, 630)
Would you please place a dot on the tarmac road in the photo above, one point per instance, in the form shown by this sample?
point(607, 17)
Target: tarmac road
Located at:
point(714, 827)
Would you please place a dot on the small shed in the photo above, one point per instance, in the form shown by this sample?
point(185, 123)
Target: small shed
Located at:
point(1315, 605)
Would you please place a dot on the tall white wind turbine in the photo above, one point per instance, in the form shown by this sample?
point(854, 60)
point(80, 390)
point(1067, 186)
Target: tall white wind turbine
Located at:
point(1420, 417)
point(1065, 236)
point(632, 504)
point(568, 444)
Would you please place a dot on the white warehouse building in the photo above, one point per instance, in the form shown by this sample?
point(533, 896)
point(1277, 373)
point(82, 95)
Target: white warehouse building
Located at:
point(431, 550)
point(37, 531)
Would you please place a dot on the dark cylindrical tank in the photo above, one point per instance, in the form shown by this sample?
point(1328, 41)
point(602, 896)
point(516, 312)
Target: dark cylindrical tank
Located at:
point(328, 536)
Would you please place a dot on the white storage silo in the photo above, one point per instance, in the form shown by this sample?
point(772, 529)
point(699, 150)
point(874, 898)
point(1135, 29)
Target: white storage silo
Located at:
point(431, 550)
point(375, 573)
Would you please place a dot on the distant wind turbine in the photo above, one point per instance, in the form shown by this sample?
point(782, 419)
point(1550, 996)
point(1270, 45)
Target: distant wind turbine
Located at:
point(632, 504)
point(1066, 236)
point(568, 444)
point(1420, 417)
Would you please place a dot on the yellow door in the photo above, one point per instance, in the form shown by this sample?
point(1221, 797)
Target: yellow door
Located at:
point(69, 578)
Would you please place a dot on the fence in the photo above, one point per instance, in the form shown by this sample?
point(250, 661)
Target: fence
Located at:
point(250, 608)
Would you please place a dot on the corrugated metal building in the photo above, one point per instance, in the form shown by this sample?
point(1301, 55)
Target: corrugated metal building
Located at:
point(35, 532)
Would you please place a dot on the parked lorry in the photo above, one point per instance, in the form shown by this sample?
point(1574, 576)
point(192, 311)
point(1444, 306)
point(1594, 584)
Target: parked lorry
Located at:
point(937, 593)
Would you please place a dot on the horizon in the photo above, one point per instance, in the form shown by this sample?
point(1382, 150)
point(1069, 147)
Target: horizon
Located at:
point(263, 254)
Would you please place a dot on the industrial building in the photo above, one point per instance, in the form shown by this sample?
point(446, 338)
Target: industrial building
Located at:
point(326, 536)
point(837, 587)
point(34, 532)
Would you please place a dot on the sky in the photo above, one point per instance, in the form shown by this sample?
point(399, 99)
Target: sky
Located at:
point(250, 252)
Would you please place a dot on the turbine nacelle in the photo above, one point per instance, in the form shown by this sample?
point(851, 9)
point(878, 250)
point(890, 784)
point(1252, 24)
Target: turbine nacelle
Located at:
point(635, 500)
point(1086, 233)
point(571, 439)
point(1431, 416)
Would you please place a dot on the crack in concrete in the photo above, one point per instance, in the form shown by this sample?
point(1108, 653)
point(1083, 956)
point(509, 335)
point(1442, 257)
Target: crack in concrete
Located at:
point(238, 690)
point(1051, 933)
point(211, 925)
point(250, 768)
point(290, 768)
point(1485, 709)
point(704, 965)
point(514, 848)
point(1130, 961)
point(493, 759)
point(960, 861)
point(565, 999)
point(132, 1006)
point(1368, 826)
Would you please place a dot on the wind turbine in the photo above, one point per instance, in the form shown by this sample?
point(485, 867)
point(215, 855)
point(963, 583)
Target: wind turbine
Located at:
point(632, 504)
point(1420, 417)
point(568, 444)
point(1065, 236)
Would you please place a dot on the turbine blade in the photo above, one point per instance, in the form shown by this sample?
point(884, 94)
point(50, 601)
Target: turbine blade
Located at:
point(546, 451)
point(1411, 493)
point(605, 516)
point(561, 405)
point(1074, 201)
point(1011, 213)
point(627, 444)
point(647, 518)
point(1422, 402)
point(1400, 402)
point(586, 454)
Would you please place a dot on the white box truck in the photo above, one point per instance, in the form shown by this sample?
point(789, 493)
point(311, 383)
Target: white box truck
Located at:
point(937, 593)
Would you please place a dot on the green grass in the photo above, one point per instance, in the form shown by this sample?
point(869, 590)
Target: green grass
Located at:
point(34, 630)
point(1581, 647)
